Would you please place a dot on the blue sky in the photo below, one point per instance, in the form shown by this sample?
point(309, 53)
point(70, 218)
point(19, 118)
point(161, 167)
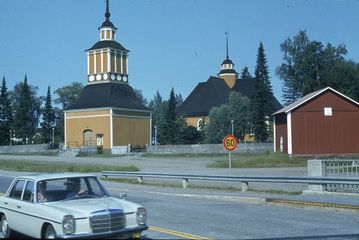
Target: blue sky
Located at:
point(173, 43)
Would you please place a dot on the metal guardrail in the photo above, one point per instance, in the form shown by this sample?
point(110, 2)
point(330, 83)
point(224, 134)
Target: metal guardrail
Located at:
point(244, 180)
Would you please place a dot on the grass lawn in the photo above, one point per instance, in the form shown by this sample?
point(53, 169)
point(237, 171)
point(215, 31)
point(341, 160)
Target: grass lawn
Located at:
point(43, 166)
point(270, 160)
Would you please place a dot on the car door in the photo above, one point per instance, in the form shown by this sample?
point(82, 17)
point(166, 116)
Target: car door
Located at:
point(13, 201)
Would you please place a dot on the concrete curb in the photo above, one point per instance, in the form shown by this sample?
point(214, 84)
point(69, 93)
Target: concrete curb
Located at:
point(312, 204)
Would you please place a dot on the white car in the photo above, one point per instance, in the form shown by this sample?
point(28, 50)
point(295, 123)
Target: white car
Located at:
point(68, 206)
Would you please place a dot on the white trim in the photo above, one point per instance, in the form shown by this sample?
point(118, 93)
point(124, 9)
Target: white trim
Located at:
point(115, 61)
point(93, 116)
point(65, 136)
point(150, 142)
point(111, 128)
point(101, 60)
point(88, 64)
point(109, 60)
point(126, 66)
point(95, 63)
point(127, 116)
point(289, 133)
point(121, 54)
point(227, 74)
point(274, 136)
point(320, 92)
point(106, 108)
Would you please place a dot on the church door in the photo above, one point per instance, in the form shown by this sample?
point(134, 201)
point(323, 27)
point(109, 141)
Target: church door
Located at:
point(88, 138)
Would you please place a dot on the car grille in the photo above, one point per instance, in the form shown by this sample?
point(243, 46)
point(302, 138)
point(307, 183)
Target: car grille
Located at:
point(107, 221)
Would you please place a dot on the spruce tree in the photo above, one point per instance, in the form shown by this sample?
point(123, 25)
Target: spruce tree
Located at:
point(24, 119)
point(261, 103)
point(6, 117)
point(48, 118)
point(245, 74)
point(169, 130)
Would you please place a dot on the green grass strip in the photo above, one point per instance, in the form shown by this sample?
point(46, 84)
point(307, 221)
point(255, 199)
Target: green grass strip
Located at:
point(50, 167)
point(269, 160)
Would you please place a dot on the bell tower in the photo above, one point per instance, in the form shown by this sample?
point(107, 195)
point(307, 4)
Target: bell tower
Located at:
point(107, 59)
point(227, 73)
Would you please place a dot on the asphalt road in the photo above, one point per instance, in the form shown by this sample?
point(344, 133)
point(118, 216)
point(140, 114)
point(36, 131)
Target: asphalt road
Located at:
point(175, 213)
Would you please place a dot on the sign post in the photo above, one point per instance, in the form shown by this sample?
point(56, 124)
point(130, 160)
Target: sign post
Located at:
point(230, 143)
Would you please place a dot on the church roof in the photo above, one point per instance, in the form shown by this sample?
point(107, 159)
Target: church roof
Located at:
point(108, 95)
point(206, 95)
point(107, 23)
point(227, 71)
point(108, 44)
point(227, 61)
point(214, 93)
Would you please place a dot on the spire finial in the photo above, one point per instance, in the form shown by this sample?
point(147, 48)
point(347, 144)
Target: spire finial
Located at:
point(226, 33)
point(107, 14)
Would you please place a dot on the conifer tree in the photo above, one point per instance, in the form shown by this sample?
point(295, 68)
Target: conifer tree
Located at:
point(261, 103)
point(169, 130)
point(245, 74)
point(48, 118)
point(24, 119)
point(6, 117)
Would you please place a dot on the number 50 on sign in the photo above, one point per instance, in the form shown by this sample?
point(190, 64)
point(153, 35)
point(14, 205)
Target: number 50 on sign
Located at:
point(230, 142)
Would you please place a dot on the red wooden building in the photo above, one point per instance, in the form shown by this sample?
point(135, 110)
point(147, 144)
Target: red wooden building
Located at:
point(322, 122)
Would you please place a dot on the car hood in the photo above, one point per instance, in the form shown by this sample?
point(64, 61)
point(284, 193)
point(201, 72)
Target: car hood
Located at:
point(81, 208)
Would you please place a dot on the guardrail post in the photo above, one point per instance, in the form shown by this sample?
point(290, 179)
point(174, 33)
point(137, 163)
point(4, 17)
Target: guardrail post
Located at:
point(184, 182)
point(316, 168)
point(140, 179)
point(244, 186)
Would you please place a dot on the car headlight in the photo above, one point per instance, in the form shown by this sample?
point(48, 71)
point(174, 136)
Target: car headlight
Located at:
point(141, 216)
point(68, 224)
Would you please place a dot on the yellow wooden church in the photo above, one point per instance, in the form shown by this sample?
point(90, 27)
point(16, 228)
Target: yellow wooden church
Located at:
point(107, 112)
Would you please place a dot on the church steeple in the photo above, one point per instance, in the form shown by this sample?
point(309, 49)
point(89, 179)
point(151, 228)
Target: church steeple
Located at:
point(107, 59)
point(227, 73)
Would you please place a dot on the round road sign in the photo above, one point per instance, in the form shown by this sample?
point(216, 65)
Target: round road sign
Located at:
point(230, 142)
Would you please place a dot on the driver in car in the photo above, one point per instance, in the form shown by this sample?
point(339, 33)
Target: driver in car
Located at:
point(74, 188)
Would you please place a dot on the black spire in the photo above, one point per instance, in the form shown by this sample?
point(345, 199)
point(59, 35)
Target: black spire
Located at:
point(107, 14)
point(227, 43)
point(107, 22)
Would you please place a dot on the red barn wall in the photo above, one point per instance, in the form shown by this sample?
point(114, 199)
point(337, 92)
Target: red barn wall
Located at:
point(314, 133)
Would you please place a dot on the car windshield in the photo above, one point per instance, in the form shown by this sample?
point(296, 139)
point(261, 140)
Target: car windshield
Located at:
point(69, 188)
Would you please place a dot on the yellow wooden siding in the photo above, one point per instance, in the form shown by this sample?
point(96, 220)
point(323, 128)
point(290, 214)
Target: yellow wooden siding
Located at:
point(130, 130)
point(124, 66)
point(76, 126)
point(92, 70)
point(98, 62)
point(112, 61)
point(118, 62)
point(105, 65)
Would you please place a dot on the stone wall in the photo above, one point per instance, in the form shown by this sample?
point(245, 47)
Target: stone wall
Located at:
point(30, 148)
point(210, 148)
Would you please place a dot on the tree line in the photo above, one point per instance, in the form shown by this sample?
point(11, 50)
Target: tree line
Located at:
point(307, 66)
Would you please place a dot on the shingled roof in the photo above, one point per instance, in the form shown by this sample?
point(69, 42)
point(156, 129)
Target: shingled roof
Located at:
point(214, 93)
point(206, 95)
point(108, 44)
point(108, 95)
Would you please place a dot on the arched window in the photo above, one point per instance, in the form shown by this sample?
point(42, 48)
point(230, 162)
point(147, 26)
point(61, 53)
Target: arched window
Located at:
point(88, 137)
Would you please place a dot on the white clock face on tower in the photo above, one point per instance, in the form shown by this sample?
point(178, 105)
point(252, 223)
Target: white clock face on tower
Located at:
point(91, 78)
point(105, 76)
point(118, 77)
point(113, 76)
point(125, 78)
point(98, 77)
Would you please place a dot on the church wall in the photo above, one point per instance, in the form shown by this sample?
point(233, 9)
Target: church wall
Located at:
point(131, 130)
point(92, 60)
point(96, 121)
point(193, 121)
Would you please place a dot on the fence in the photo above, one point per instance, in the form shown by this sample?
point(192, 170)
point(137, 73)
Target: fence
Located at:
point(243, 180)
point(334, 168)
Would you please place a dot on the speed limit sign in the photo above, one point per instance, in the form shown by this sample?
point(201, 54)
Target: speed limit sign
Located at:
point(230, 142)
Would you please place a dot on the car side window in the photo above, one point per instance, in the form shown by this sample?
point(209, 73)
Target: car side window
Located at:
point(29, 192)
point(16, 190)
